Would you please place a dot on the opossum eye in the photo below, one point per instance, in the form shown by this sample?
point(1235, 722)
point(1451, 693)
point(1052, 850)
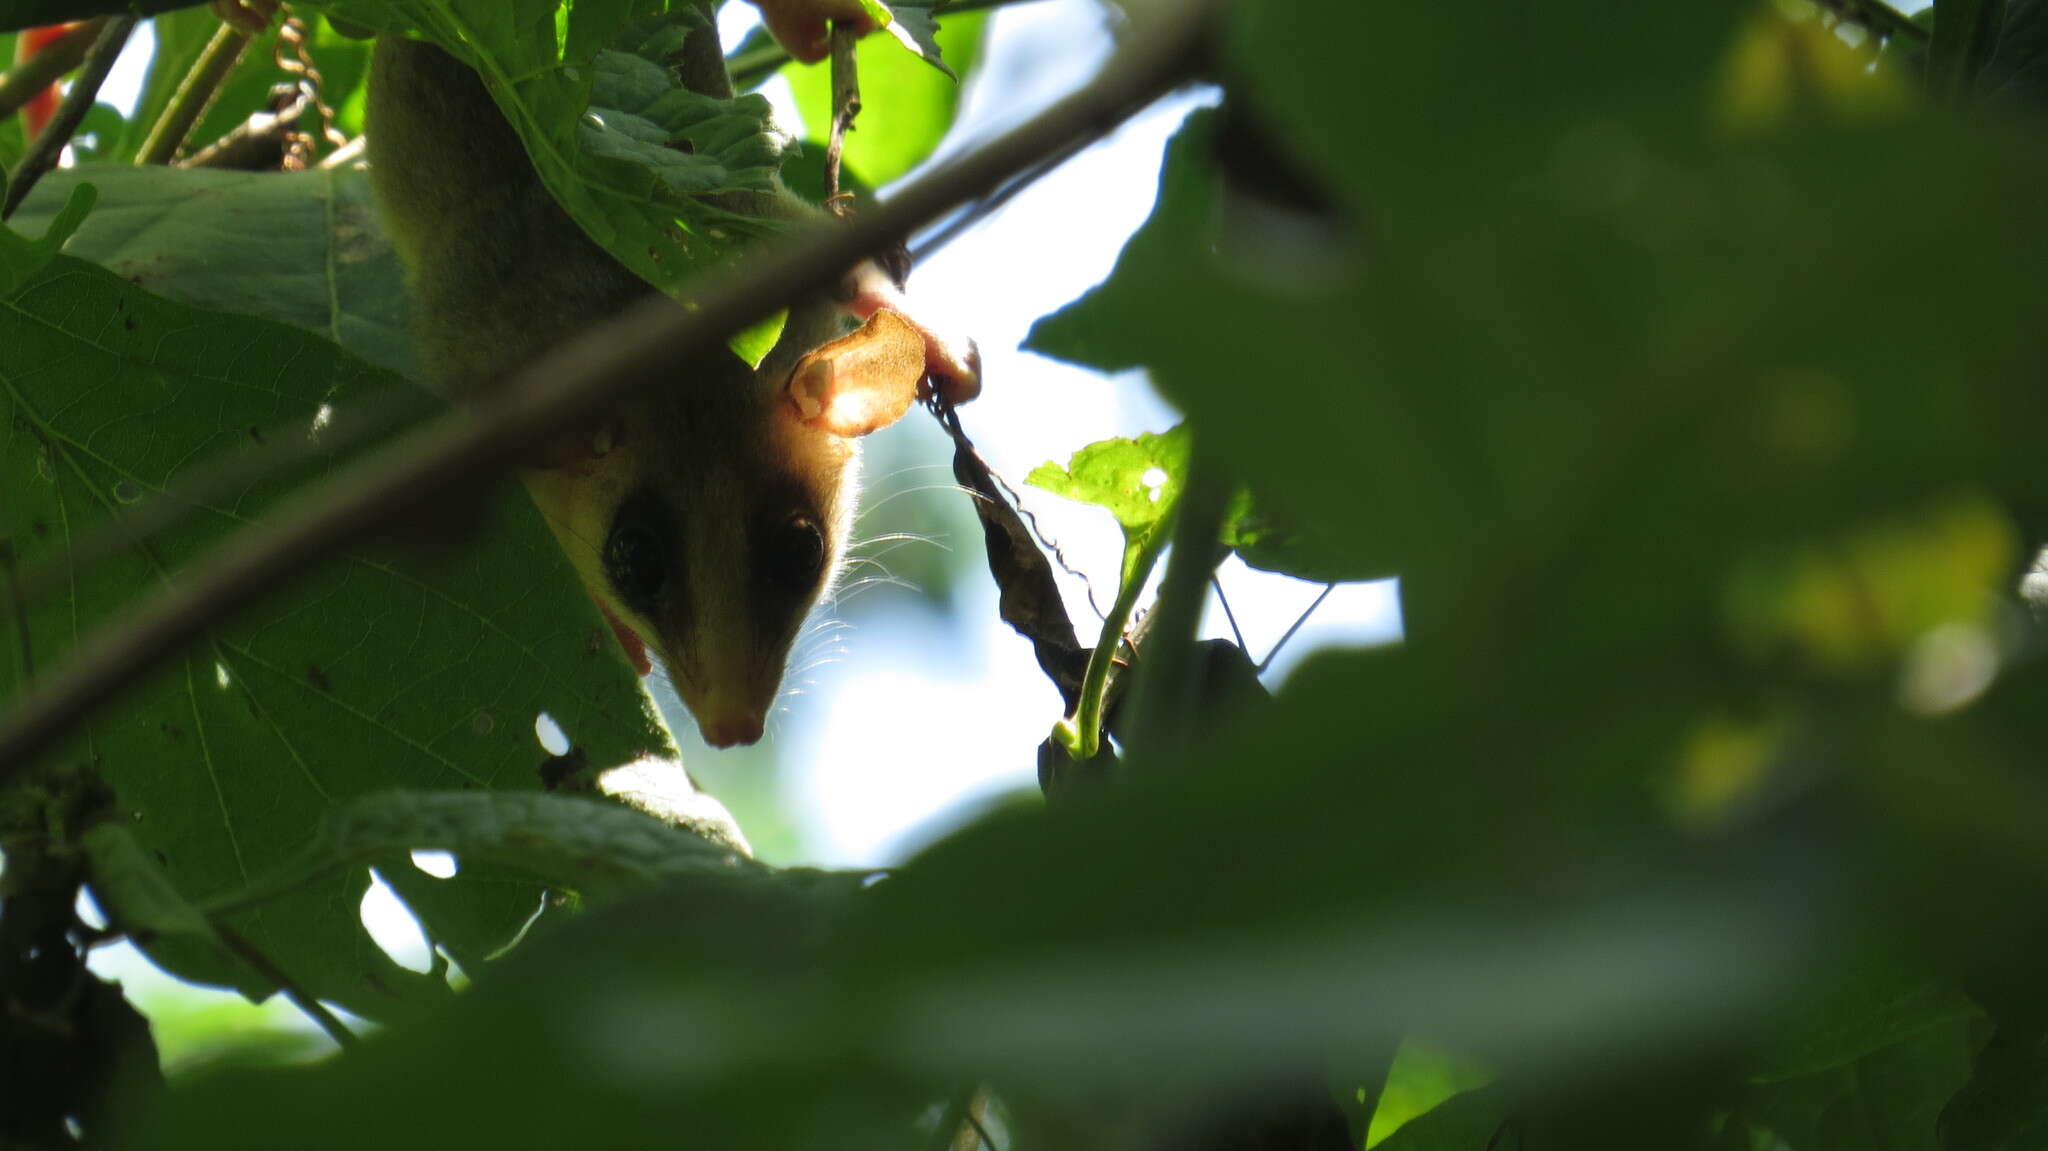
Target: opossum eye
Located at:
point(635, 564)
point(795, 552)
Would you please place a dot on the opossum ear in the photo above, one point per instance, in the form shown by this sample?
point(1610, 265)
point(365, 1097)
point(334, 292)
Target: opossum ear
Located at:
point(860, 382)
point(952, 365)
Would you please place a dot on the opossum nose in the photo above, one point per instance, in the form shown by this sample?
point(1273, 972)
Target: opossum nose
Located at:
point(728, 730)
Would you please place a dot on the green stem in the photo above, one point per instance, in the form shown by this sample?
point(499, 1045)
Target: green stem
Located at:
point(1168, 680)
point(1081, 735)
point(194, 93)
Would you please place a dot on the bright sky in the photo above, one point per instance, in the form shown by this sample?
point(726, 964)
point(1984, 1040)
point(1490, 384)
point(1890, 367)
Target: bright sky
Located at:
point(934, 708)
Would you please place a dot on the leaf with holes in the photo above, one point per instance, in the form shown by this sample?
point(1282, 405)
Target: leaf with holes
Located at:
point(314, 694)
point(1136, 480)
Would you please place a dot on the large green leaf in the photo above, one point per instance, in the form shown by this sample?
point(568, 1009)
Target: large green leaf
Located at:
point(1859, 1010)
point(390, 668)
point(906, 107)
point(2005, 1105)
point(304, 248)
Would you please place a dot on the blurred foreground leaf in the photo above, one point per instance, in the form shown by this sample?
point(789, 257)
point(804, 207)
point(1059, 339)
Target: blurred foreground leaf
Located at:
point(232, 755)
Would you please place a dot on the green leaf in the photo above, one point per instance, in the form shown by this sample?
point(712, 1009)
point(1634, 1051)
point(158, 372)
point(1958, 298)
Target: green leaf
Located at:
point(2004, 1106)
point(914, 24)
point(313, 695)
point(1267, 538)
point(639, 115)
point(1467, 1121)
point(181, 37)
point(21, 258)
point(1420, 1081)
point(1136, 480)
point(1855, 1012)
point(304, 248)
point(1891, 1096)
point(99, 134)
point(906, 108)
point(677, 963)
point(598, 112)
point(133, 891)
point(1965, 37)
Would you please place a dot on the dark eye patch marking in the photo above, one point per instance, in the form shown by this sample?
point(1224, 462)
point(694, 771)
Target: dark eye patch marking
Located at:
point(639, 552)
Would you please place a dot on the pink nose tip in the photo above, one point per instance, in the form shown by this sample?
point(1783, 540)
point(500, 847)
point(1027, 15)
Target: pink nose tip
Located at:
point(727, 730)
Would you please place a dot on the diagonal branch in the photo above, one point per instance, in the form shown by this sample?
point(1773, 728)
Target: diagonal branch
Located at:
point(49, 144)
point(636, 351)
point(20, 85)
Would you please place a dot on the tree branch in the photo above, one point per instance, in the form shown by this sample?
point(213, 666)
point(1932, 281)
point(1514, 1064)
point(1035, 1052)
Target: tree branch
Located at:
point(845, 107)
point(49, 143)
point(196, 91)
point(638, 350)
point(19, 86)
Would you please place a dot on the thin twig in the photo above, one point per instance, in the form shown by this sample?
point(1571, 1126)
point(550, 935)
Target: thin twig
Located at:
point(250, 954)
point(49, 143)
point(845, 108)
point(262, 143)
point(979, 210)
point(1294, 627)
point(347, 154)
point(194, 93)
point(46, 67)
point(1166, 684)
point(1228, 614)
point(757, 65)
point(637, 350)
